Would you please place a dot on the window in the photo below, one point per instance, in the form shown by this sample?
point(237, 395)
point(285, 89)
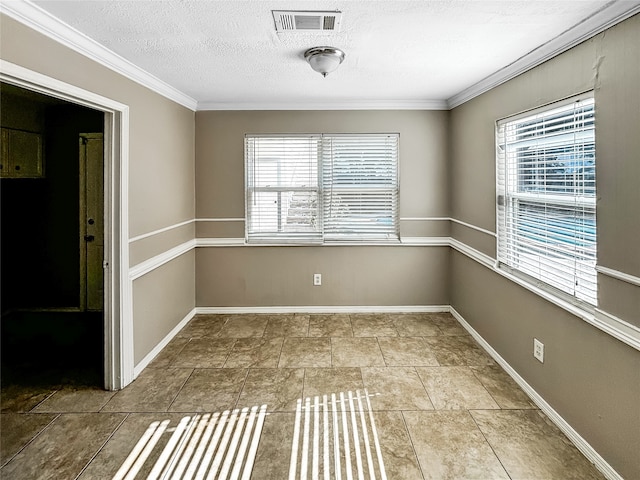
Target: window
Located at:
point(317, 188)
point(546, 185)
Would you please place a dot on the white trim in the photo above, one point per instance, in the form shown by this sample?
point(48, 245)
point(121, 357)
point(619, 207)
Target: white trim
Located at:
point(424, 219)
point(220, 219)
point(152, 263)
point(329, 105)
point(607, 17)
point(52, 87)
point(450, 219)
point(617, 328)
point(625, 277)
point(118, 309)
point(126, 301)
point(582, 445)
point(426, 241)
point(405, 241)
point(473, 254)
point(325, 309)
point(479, 229)
point(220, 242)
point(163, 343)
point(181, 224)
point(160, 230)
point(43, 22)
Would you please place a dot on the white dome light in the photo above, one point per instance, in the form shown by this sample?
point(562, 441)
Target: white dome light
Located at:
point(324, 60)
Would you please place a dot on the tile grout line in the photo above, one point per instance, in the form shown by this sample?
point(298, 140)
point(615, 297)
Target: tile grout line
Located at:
point(226, 358)
point(244, 382)
point(308, 325)
point(304, 382)
point(331, 351)
point(284, 339)
point(93, 457)
point(180, 389)
point(178, 353)
point(381, 354)
point(46, 427)
point(425, 387)
point(353, 335)
point(473, 372)
point(42, 401)
point(487, 440)
point(413, 447)
point(386, 364)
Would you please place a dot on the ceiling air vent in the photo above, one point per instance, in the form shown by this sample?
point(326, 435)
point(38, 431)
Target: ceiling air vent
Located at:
point(306, 21)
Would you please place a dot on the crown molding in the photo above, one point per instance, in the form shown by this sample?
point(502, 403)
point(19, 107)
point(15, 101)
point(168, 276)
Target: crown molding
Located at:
point(41, 21)
point(329, 105)
point(610, 15)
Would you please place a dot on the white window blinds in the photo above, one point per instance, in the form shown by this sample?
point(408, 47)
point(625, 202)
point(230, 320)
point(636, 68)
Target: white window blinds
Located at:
point(360, 187)
point(282, 188)
point(313, 188)
point(547, 196)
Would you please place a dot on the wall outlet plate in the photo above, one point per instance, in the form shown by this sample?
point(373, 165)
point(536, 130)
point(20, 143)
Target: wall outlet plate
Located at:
point(317, 279)
point(538, 350)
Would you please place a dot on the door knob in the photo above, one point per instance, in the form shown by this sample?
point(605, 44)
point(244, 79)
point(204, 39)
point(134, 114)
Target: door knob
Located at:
point(89, 238)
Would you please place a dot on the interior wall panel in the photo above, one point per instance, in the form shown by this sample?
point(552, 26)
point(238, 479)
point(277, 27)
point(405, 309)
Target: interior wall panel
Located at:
point(160, 297)
point(255, 276)
point(351, 276)
point(588, 377)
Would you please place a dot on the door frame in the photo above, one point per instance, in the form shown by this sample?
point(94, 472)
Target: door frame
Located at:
point(118, 307)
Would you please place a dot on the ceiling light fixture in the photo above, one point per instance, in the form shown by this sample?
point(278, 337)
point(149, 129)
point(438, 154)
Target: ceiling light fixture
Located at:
point(324, 60)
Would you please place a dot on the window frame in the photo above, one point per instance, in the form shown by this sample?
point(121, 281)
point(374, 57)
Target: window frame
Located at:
point(527, 192)
point(324, 195)
point(309, 237)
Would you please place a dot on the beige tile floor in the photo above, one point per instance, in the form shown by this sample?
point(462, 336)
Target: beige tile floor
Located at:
point(442, 407)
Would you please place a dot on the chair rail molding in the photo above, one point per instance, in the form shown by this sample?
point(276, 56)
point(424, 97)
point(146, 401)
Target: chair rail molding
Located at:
point(625, 277)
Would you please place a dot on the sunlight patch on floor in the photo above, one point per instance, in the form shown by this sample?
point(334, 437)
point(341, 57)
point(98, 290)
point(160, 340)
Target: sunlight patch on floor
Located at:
point(335, 437)
point(219, 445)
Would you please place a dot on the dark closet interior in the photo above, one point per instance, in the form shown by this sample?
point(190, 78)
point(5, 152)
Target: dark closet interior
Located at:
point(46, 337)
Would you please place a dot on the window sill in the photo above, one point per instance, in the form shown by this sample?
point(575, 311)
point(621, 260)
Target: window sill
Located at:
point(405, 241)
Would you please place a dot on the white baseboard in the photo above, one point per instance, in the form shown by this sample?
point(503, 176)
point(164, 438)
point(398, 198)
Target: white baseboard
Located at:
point(587, 450)
point(326, 309)
point(163, 343)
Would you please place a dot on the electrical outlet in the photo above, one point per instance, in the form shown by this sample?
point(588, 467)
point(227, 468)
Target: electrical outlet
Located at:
point(538, 350)
point(317, 279)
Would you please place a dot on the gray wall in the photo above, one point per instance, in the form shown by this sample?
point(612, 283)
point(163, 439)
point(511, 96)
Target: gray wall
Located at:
point(161, 171)
point(591, 379)
point(352, 275)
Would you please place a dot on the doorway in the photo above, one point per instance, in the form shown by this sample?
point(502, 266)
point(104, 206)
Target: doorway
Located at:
point(117, 327)
point(50, 335)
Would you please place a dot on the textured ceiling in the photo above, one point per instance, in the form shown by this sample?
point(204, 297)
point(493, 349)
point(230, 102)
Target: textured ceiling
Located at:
point(228, 52)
